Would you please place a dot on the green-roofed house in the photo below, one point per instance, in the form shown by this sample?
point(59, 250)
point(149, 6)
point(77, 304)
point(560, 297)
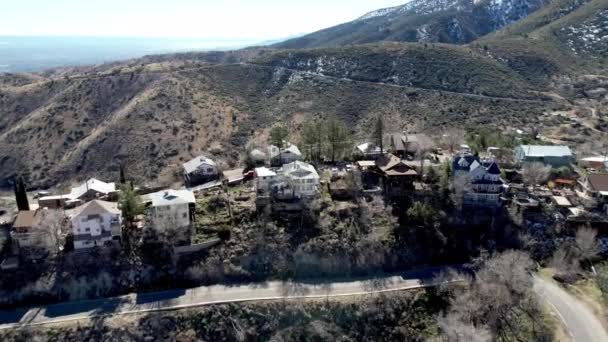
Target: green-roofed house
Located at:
point(555, 156)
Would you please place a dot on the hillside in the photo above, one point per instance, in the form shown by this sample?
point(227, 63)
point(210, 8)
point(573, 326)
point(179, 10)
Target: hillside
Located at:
point(443, 21)
point(566, 37)
point(154, 115)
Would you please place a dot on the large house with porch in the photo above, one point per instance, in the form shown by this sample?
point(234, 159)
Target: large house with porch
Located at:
point(199, 170)
point(482, 183)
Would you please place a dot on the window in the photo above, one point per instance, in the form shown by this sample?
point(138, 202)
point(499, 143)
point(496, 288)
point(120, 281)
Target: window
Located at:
point(86, 229)
point(184, 215)
point(209, 170)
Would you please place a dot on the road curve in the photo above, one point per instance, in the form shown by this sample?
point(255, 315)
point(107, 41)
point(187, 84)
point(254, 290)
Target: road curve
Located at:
point(580, 321)
point(207, 295)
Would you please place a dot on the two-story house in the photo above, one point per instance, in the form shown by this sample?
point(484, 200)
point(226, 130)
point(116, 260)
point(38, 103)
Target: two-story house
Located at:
point(199, 170)
point(594, 190)
point(38, 231)
point(95, 223)
point(172, 209)
point(302, 178)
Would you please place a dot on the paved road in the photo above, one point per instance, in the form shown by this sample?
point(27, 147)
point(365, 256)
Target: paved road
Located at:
point(205, 295)
point(580, 321)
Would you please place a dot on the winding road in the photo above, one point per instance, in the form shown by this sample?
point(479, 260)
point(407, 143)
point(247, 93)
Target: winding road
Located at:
point(581, 323)
point(207, 295)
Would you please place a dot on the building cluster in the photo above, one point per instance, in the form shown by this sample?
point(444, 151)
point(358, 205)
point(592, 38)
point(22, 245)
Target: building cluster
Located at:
point(91, 215)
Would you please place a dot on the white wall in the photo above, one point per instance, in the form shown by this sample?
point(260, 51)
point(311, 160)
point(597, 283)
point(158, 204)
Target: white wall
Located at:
point(95, 227)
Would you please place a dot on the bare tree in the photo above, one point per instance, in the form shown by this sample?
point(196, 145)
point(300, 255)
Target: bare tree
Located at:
point(423, 146)
point(461, 185)
point(587, 244)
point(452, 138)
point(535, 173)
point(52, 227)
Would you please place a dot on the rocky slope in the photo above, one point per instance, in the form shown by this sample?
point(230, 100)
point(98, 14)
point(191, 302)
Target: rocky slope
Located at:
point(445, 21)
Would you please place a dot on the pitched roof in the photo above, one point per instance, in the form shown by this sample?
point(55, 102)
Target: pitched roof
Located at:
point(493, 169)
point(463, 162)
point(598, 181)
point(171, 197)
point(193, 164)
point(546, 151)
point(394, 166)
point(273, 150)
point(25, 219)
point(96, 207)
point(92, 184)
point(300, 169)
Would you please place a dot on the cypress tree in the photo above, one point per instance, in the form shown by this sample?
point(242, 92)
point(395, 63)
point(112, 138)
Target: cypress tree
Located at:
point(21, 194)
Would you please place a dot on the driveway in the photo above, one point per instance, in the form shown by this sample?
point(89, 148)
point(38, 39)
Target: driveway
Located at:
point(579, 320)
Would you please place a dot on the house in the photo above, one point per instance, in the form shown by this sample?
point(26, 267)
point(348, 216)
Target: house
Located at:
point(402, 144)
point(286, 155)
point(199, 170)
point(395, 174)
point(367, 150)
point(598, 163)
point(172, 209)
point(483, 185)
point(594, 187)
point(33, 230)
point(95, 223)
point(93, 189)
point(264, 179)
point(555, 156)
point(302, 177)
point(55, 202)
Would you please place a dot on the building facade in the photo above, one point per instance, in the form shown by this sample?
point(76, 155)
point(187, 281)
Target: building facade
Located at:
point(95, 223)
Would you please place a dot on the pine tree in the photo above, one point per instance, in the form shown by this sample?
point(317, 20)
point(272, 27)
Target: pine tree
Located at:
point(379, 134)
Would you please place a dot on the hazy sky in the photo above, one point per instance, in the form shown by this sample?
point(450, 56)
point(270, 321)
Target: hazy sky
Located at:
point(258, 19)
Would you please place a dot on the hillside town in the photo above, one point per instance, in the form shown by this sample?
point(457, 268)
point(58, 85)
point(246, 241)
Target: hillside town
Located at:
point(546, 185)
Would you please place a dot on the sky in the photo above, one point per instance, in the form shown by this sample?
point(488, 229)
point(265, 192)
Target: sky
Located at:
point(217, 19)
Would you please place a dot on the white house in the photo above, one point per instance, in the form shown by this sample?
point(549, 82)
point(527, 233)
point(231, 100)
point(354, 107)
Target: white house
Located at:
point(264, 178)
point(171, 207)
point(95, 223)
point(302, 178)
point(286, 155)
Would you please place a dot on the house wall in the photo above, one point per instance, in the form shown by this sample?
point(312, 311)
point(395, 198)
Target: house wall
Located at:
point(264, 182)
point(95, 231)
point(304, 187)
point(177, 215)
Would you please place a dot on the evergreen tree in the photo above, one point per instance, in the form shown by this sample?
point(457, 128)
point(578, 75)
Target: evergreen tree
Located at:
point(379, 134)
point(278, 138)
point(337, 136)
point(21, 194)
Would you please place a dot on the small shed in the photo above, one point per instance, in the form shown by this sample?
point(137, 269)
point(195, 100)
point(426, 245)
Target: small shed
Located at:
point(233, 177)
point(561, 201)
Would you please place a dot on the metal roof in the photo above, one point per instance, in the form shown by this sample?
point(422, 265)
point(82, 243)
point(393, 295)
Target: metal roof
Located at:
point(171, 197)
point(546, 151)
point(193, 164)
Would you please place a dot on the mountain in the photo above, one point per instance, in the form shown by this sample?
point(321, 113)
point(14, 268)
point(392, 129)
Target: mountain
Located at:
point(444, 21)
point(156, 112)
point(153, 115)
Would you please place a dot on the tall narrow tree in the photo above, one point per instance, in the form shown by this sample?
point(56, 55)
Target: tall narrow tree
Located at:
point(21, 194)
point(278, 138)
point(337, 136)
point(123, 178)
point(379, 134)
